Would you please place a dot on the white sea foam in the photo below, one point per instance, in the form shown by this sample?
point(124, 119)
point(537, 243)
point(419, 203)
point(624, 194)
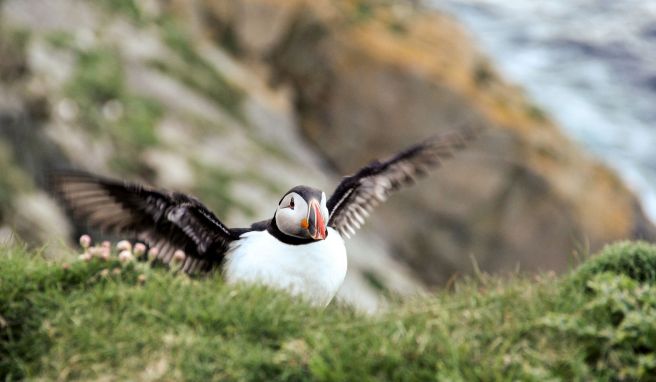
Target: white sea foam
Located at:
point(590, 63)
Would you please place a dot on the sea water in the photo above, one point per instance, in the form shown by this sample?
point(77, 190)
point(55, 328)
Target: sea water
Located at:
point(591, 64)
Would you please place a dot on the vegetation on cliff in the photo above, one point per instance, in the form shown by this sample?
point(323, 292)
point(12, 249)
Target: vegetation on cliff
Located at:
point(235, 102)
point(79, 321)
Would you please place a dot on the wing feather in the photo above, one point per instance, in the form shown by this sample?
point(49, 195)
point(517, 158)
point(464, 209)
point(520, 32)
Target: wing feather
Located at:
point(358, 194)
point(168, 221)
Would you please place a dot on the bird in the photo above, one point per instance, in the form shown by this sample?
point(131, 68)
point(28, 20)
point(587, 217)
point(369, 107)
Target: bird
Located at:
point(300, 249)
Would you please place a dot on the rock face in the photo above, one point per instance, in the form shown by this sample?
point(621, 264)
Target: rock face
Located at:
point(371, 78)
point(134, 93)
point(219, 99)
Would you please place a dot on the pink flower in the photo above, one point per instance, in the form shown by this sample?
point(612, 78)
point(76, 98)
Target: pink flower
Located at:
point(105, 253)
point(125, 256)
point(85, 257)
point(85, 241)
point(124, 245)
point(152, 253)
point(139, 249)
point(95, 251)
point(178, 256)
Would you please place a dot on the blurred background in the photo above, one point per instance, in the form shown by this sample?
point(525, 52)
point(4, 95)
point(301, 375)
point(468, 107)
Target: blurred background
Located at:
point(236, 101)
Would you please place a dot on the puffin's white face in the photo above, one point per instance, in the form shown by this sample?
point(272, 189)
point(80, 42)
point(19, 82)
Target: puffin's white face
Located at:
point(299, 218)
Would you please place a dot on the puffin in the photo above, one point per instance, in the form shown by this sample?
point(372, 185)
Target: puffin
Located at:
point(300, 249)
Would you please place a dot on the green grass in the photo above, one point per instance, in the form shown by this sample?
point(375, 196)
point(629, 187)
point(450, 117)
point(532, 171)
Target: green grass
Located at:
point(195, 71)
point(99, 78)
point(635, 260)
point(125, 7)
point(13, 62)
point(12, 182)
point(213, 187)
point(192, 69)
point(595, 323)
point(61, 39)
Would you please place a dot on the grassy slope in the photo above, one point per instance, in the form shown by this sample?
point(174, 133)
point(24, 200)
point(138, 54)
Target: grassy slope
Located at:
point(598, 322)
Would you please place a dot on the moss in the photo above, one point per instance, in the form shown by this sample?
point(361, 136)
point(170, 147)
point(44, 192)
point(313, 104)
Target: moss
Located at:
point(615, 327)
point(268, 184)
point(12, 182)
point(128, 8)
point(196, 72)
point(99, 82)
point(208, 83)
point(397, 27)
point(12, 53)
point(229, 41)
point(636, 260)
point(364, 10)
point(483, 75)
point(536, 113)
point(61, 39)
point(140, 116)
point(224, 34)
point(98, 79)
point(375, 282)
point(213, 187)
point(133, 133)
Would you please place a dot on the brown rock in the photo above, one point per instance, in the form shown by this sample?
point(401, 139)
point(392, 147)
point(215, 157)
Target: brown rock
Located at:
point(371, 78)
point(207, 123)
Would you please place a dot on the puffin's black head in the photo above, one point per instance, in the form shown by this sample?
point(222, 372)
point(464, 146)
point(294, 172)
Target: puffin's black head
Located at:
point(302, 213)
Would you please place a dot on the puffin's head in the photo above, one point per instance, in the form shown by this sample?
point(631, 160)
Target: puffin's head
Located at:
point(302, 213)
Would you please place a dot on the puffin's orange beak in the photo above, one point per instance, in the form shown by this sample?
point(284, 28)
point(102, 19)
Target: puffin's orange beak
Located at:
point(316, 224)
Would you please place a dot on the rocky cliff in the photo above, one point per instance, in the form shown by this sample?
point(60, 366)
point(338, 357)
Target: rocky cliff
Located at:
point(237, 101)
point(372, 76)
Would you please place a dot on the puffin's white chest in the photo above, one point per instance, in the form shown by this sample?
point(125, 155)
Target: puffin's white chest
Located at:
point(315, 271)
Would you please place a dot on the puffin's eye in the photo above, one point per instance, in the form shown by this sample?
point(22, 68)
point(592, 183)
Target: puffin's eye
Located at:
point(291, 203)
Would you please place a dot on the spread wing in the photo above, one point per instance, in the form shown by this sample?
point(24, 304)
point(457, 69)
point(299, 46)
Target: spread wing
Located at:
point(358, 194)
point(166, 220)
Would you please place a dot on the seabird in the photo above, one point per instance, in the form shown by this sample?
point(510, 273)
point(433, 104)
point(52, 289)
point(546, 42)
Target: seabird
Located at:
point(300, 249)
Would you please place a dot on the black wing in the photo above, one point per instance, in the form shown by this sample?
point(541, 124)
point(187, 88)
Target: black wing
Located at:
point(358, 194)
point(166, 220)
